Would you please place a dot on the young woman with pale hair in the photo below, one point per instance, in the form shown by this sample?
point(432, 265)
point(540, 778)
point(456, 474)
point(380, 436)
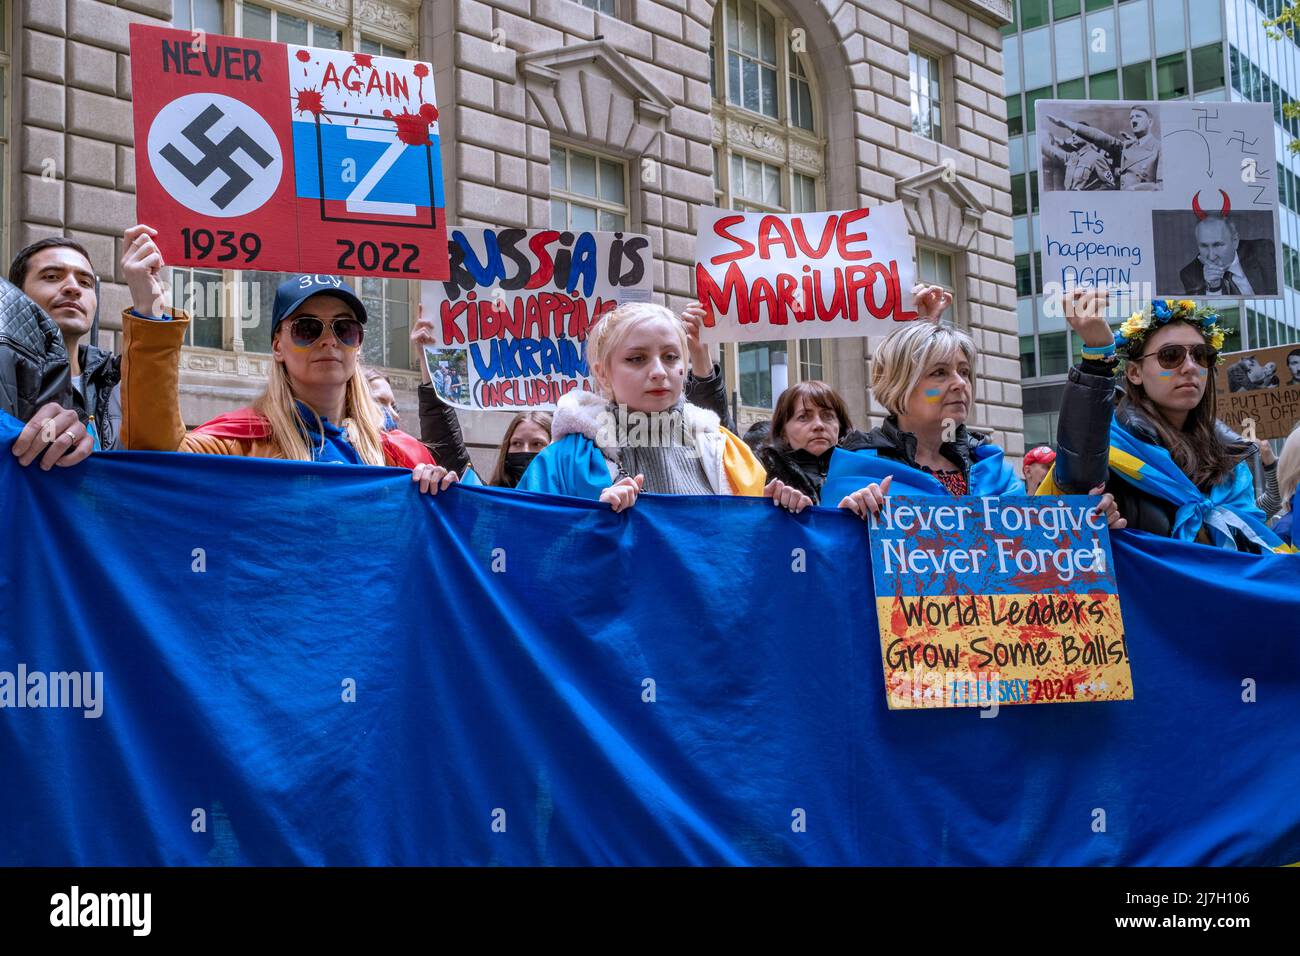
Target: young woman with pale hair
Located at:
point(923, 373)
point(639, 433)
point(1288, 477)
point(316, 405)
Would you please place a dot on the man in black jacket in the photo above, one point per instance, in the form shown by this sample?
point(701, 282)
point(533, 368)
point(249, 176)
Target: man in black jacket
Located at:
point(35, 386)
point(57, 274)
point(1226, 264)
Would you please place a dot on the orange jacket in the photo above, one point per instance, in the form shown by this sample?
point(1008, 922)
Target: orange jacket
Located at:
point(151, 409)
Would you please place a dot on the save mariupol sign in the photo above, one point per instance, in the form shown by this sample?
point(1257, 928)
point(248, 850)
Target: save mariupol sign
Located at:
point(258, 155)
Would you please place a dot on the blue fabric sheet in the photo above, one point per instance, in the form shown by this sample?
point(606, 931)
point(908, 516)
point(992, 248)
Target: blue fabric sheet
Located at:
point(521, 689)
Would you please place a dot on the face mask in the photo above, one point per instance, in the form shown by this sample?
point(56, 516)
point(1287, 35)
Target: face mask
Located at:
point(517, 463)
point(389, 421)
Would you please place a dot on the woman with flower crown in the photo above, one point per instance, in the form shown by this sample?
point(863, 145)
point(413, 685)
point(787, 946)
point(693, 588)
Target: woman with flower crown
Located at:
point(1174, 469)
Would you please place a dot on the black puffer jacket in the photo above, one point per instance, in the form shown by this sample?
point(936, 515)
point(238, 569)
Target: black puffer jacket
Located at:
point(1083, 448)
point(802, 469)
point(33, 362)
point(890, 441)
point(101, 373)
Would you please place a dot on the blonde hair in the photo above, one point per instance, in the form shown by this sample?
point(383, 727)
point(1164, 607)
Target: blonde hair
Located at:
point(289, 429)
point(614, 327)
point(905, 354)
point(1288, 466)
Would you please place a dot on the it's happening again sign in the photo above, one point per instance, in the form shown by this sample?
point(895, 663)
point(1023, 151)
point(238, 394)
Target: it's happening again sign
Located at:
point(258, 155)
point(513, 319)
point(1159, 200)
point(807, 275)
point(997, 601)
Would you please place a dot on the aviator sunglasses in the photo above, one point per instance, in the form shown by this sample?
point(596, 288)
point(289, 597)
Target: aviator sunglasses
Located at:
point(1173, 356)
point(305, 330)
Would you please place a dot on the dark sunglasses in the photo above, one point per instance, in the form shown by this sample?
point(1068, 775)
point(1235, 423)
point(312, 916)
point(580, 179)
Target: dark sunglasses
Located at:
point(1173, 356)
point(305, 330)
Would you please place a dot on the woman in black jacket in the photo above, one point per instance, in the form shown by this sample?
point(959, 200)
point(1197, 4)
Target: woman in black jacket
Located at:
point(1175, 470)
point(810, 421)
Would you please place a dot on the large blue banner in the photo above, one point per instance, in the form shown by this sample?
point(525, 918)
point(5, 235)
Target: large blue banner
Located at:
point(313, 664)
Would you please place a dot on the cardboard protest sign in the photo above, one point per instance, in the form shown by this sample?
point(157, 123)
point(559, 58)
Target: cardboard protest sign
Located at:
point(987, 601)
point(512, 320)
point(806, 275)
point(1158, 199)
point(1262, 387)
point(258, 155)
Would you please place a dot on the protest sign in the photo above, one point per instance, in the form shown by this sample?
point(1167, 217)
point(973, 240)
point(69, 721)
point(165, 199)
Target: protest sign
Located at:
point(513, 318)
point(1262, 387)
point(259, 155)
point(1158, 199)
point(806, 275)
point(987, 601)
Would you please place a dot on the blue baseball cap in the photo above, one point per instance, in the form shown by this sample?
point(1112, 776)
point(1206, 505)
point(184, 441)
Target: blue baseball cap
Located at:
point(292, 293)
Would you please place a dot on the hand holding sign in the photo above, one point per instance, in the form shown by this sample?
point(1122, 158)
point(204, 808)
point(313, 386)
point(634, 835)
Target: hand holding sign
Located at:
point(1085, 310)
point(1108, 507)
point(931, 301)
point(142, 264)
point(422, 334)
point(701, 361)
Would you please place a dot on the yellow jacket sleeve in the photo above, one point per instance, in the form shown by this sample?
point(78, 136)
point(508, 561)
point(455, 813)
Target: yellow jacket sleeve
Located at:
point(151, 406)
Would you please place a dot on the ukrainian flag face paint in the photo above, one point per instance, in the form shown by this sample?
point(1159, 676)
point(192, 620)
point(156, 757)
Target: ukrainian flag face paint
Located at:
point(932, 396)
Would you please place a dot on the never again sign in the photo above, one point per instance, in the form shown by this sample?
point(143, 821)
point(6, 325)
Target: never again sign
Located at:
point(258, 155)
point(806, 275)
point(513, 319)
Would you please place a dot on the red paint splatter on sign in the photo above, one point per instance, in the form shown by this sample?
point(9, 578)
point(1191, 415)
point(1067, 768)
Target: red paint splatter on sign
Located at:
point(413, 128)
point(421, 71)
point(363, 59)
point(303, 55)
point(309, 101)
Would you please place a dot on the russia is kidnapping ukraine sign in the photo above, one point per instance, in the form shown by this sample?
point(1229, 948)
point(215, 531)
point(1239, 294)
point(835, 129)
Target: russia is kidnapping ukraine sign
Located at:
point(259, 155)
point(990, 601)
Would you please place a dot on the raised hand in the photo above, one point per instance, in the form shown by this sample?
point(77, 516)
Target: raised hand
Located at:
point(1085, 310)
point(142, 264)
point(931, 301)
point(701, 361)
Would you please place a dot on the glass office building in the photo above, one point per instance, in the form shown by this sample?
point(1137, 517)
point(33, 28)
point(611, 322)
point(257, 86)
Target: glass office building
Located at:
point(1202, 50)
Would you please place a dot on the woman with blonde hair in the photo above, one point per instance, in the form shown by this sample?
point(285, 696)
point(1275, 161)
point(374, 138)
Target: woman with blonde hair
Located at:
point(316, 405)
point(639, 433)
point(923, 373)
point(1288, 477)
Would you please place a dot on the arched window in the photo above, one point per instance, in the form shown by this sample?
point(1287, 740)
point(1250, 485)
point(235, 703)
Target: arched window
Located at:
point(768, 155)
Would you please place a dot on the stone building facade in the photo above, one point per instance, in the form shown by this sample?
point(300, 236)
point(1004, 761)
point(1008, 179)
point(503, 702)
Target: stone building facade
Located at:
point(624, 114)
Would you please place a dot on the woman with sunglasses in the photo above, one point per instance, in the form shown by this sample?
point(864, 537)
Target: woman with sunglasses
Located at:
point(316, 405)
point(1173, 468)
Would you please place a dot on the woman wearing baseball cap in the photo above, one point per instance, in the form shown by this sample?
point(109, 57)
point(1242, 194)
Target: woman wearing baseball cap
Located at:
point(316, 405)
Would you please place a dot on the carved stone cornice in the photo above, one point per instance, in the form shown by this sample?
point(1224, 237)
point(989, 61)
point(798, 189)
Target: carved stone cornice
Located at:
point(392, 16)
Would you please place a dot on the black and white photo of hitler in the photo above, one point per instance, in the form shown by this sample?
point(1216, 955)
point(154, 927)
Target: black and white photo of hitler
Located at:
point(1113, 147)
point(1213, 254)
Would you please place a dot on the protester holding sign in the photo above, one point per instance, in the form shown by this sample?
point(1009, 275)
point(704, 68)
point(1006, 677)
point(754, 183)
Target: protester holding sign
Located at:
point(639, 433)
point(1160, 449)
point(316, 406)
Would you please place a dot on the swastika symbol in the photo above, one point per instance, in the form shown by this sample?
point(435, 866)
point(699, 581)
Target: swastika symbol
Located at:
point(217, 156)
